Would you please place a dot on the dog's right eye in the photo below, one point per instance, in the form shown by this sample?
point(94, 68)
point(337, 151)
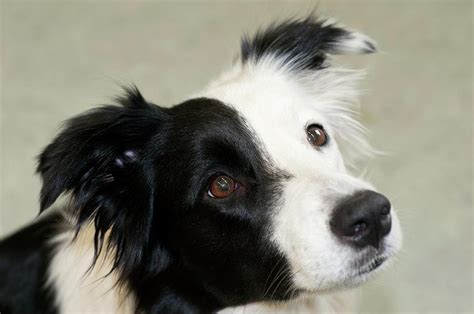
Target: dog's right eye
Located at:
point(222, 186)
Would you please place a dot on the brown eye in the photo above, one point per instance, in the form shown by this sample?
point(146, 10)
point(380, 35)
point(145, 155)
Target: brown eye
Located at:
point(222, 187)
point(316, 135)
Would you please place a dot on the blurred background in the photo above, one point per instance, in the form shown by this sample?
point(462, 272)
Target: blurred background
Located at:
point(59, 58)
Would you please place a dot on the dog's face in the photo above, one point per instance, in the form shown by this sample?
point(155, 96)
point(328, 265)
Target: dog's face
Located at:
point(243, 190)
point(316, 217)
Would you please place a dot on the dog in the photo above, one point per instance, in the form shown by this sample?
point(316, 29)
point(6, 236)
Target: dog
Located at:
point(240, 198)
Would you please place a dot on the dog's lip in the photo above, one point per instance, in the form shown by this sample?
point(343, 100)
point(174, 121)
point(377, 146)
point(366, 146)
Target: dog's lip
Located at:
point(371, 265)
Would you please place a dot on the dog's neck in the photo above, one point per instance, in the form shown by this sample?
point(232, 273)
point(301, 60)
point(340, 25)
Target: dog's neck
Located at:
point(80, 288)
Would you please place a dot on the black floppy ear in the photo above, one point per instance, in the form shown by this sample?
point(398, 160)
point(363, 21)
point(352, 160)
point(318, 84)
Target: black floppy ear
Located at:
point(100, 159)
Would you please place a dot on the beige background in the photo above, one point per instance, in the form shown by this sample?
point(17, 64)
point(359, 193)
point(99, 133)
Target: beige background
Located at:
point(61, 58)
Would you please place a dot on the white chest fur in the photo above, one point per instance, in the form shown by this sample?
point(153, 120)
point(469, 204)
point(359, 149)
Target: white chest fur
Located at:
point(341, 302)
point(79, 289)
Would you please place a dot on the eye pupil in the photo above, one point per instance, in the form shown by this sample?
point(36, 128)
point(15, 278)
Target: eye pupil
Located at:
point(221, 187)
point(316, 135)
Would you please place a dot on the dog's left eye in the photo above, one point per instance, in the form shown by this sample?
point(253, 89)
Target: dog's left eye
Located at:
point(317, 136)
point(222, 187)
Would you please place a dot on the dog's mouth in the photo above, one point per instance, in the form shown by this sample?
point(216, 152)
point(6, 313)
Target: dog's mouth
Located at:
point(369, 261)
point(371, 265)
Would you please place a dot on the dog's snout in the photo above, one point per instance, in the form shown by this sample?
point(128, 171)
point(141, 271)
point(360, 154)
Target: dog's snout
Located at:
point(362, 219)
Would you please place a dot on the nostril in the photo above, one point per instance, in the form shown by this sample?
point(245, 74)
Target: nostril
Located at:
point(385, 217)
point(358, 228)
point(385, 211)
point(385, 224)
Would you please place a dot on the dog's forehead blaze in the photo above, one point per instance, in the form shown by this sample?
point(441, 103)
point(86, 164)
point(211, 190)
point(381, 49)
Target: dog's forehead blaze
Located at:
point(277, 108)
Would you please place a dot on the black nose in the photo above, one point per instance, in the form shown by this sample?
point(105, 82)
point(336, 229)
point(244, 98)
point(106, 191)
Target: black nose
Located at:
point(362, 219)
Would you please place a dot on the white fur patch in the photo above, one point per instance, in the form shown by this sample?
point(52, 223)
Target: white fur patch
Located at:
point(341, 302)
point(356, 43)
point(76, 289)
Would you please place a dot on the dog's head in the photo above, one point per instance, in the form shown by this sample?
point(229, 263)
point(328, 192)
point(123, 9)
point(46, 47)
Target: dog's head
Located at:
point(240, 194)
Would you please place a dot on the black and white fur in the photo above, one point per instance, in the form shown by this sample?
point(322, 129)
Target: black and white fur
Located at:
point(140, 233)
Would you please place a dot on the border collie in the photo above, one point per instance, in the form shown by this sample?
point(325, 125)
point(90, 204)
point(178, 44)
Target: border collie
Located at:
point(240, 198)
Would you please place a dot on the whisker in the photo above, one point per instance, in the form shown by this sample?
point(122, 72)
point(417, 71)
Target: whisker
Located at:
point(274, 281)
point(286, 276)
point(269, 275)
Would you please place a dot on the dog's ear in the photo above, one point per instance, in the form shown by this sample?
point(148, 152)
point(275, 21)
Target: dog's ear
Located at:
point(100, 158)
point(303, 44)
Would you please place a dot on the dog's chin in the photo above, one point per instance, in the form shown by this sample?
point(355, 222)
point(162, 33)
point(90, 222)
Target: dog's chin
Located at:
point(367, 265)
point(362, 268)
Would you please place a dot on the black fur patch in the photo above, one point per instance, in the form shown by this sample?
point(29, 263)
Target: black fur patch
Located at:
point(24, 261)
point(300, 43)
point(141, 173)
